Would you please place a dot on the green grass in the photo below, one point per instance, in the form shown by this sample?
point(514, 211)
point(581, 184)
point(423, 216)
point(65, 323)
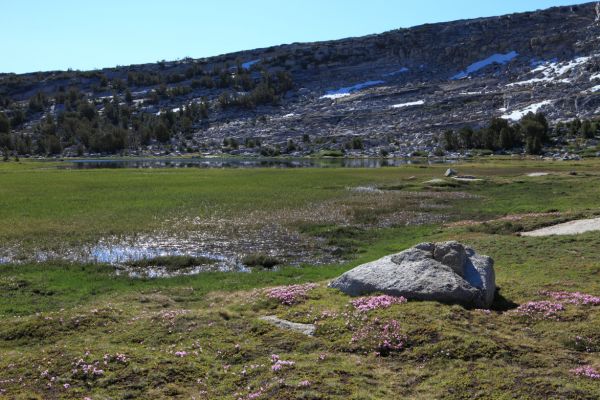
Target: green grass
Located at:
point(56, 313)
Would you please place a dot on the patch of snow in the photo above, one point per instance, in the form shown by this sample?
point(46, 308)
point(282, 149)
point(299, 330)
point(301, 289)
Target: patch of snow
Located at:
point(470, 93)
point(346, 91)
point(248, 64)
point(412, 103)
point(518, 114)
point(334, 96)
point(552, 71)
point(593, 89)
point(175, 110)
point(290, 115)
point(563, 68)
point(537, 80)
point(595, 76)
point(493, 59)
point(400, 71)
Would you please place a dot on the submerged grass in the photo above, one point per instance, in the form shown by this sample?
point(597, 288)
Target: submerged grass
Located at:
point(201, 336)
point(171, 263)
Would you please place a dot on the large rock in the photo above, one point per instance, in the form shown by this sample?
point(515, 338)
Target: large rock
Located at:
point(447, 272)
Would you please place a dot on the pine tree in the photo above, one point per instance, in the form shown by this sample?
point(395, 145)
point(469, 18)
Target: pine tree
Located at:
point(4, 123)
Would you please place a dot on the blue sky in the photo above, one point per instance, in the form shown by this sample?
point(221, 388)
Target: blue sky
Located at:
point(40, 35)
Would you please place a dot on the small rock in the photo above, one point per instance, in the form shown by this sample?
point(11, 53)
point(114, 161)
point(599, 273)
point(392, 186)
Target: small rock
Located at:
point(450, 172)
point(305, 329)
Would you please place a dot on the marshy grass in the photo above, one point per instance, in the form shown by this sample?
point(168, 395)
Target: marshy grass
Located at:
point(261, 260)
point(171, 263)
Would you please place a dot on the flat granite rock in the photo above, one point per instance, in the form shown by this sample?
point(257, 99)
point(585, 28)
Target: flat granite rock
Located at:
point(447, 272)
point(305, 329)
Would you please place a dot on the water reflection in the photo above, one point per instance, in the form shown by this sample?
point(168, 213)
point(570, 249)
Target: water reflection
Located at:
point(247, 163)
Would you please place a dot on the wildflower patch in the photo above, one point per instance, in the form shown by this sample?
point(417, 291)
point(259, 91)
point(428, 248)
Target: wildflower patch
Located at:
point(292, 294)
point(376, 302)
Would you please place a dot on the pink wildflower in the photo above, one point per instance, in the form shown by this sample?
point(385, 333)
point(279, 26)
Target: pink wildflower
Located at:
point(181, 353)
point(292, 294)
point(540, 309)
point(66, 386)
point(574, 298)
point(376, 302)
point(255, 395)
point(586, 371)
point(387, 336)
point(304, 383)
point(278, 364)
point(328, 314)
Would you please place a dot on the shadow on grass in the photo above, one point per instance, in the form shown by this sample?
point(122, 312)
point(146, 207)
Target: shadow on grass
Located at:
point(501, 303)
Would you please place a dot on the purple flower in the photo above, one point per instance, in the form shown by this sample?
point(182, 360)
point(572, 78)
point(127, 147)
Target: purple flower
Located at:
point(376, 302)
point(540, 309)
point(586, 371)
point(292, 294)
point(386, 337)
point(278, 364)
point(574, 298)
point(255, 395)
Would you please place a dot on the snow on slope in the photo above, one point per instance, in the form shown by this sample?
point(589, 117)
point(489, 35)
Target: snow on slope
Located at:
point(345, 91)
point(518, 114)
point(493, 59)
point(593, 89)
point(553, 72)
point(248, 64)
point(412, 103)
point(559, 69)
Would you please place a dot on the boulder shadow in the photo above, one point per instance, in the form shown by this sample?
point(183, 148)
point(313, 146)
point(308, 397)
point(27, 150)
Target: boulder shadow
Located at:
point(501, 303)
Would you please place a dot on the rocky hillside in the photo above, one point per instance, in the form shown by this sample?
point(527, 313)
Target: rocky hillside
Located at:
point(392, 93)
